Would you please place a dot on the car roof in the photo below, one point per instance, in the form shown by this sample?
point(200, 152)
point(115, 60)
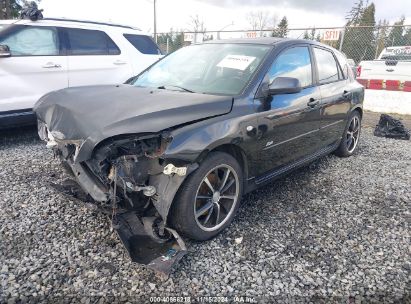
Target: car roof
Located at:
point(76, 23)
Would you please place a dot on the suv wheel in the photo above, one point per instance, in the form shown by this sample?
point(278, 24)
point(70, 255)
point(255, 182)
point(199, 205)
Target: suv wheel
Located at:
point(351, 136)
point(209, 198)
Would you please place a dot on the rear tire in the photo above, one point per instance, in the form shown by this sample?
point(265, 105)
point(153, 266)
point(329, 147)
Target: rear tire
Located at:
point(351, 136)
point(209, 198)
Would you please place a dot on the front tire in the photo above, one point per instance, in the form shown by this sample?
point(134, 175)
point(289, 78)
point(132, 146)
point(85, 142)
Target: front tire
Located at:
point(209, 198)
point(351, 136)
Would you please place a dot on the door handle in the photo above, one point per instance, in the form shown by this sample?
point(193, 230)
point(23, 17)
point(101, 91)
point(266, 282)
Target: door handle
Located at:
point(119, 62)
point(51, 65)
point(312, 103)
point(347, 95)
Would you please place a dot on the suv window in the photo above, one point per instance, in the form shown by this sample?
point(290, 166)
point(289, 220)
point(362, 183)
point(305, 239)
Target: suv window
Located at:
point(294, 62)
point(90, 42)
point(327, 66)
point(143, 44)
point(33, 41)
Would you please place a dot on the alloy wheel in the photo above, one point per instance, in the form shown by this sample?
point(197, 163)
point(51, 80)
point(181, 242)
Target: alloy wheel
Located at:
point(353, 134)
point(216, 198)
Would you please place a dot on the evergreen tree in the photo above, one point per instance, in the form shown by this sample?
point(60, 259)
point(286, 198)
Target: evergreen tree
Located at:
point(382, 36)
point(407, 37)
point(10, 9)
point(395, 38)
point(282, 29)
point(359, 42)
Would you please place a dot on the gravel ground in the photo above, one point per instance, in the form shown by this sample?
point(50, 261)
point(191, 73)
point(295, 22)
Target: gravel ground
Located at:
point(335, 231)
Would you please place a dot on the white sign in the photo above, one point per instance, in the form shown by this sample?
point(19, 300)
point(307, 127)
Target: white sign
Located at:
point(331, 35)
point(238, 62)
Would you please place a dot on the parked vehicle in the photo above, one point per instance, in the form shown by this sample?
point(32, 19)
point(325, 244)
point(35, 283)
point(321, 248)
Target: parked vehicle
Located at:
point(353, 66)
point(37, 57)
point(173, 152)
point(394, 63)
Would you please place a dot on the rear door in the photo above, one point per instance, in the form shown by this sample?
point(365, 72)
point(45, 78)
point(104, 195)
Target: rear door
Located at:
point(288, 125)
point(37, 66)
point(94, 58)
point(336, 94)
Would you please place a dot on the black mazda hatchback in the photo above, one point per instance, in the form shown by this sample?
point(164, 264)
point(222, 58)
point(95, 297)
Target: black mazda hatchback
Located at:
point(171, 152)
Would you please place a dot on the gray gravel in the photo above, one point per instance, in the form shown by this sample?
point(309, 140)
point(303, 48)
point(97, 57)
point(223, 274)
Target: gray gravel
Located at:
point(337, 230)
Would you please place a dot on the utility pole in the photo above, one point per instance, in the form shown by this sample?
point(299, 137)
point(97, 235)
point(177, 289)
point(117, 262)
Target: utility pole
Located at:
point(155, 22)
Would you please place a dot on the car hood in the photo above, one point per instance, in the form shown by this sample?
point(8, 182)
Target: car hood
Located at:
point(95, 113)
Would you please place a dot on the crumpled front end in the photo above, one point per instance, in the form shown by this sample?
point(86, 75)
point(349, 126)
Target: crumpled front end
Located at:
point(128, 180)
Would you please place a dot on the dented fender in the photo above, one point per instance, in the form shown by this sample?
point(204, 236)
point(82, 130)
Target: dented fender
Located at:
point(168, 185)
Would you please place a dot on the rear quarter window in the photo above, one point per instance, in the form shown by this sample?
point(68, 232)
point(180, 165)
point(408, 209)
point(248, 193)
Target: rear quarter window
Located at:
point(143, 44)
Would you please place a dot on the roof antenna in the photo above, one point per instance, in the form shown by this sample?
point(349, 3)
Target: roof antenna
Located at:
point(31, 11)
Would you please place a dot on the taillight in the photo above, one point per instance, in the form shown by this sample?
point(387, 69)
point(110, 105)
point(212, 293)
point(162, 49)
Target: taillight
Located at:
point(359, 71)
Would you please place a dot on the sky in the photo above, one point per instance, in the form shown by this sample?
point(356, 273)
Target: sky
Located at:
point(218, 14)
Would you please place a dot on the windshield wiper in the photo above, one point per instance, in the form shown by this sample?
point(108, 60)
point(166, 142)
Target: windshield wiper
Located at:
point(164, 87)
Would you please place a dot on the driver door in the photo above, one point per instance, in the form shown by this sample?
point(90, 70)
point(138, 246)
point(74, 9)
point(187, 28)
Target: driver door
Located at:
point(36, 66)
point(288, 124)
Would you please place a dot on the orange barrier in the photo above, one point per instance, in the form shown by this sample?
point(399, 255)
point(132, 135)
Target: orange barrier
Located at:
point(375, 84)
point(392, 85)
point(389, 85)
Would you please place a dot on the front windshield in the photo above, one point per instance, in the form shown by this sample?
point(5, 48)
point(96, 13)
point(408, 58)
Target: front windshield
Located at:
point(207, 68)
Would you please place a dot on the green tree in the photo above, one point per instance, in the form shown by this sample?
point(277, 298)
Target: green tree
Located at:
point(407, 37)
point(395, 38)
point(174, 40)
point(382, 36)
point(10, 9)
point(359, 39)
point(282, 29)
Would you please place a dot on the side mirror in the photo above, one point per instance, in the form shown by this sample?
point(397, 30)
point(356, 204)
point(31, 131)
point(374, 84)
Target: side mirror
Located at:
point(4, 51)
point(284, 85)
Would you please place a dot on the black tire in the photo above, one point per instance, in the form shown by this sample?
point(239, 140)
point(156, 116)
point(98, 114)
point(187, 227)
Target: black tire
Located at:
point(186, 203)
point(347, 147)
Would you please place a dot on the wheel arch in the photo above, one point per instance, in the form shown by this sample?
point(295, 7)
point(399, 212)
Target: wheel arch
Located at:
point(233, 150)
point(359, 110)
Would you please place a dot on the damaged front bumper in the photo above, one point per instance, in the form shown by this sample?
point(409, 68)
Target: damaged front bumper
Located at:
point(128, 181)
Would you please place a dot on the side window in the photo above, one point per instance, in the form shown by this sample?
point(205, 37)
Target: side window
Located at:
point(294, 62)
point(343, 64)
point(33, 41)
point(90, 42)
point(327, 66)
point(143, 44)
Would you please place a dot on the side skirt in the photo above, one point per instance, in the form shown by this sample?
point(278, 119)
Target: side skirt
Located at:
point(255, 183)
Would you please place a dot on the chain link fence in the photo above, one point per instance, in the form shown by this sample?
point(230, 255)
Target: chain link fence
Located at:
point(357, 43)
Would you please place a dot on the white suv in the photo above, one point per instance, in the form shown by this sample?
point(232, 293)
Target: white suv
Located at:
point(37, 57)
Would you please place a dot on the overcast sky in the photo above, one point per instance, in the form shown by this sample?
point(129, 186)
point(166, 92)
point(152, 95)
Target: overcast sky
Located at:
point(217, 13)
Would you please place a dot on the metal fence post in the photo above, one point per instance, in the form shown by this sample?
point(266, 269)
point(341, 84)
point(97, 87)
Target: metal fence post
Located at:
point(342, 39)
point(376, 43)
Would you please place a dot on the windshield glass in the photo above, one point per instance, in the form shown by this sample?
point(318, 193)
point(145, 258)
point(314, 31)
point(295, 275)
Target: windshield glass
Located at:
point(207, 68)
